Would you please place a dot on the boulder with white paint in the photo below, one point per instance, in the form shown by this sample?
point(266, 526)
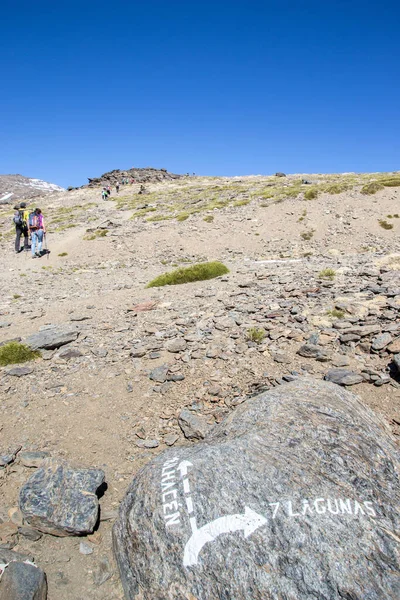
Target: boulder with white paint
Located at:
point(293, 496)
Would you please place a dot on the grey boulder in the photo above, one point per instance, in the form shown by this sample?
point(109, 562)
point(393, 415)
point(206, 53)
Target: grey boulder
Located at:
point(52, 337)
point(292, 497)
point(22, 581)
point(61, 500)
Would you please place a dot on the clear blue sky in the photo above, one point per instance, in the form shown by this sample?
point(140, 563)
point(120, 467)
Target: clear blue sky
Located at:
point(216, 88)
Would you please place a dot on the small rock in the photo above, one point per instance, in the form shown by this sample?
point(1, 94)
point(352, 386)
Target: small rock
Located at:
point(194, 427)
point(159, 374)
point(85, 548)
point(70, 353)
point(311, 351)
point(343, 377)
point(52, 337)
point(381, 341)
point(394, 347)
point(20, 371)
point(151, 443)
point(176, 345)
point(22, 581)
point(103, 572)
point(16, 516)
point(61, 500)
point(171, 438)
point(137, 352)
point(32, 459)
point(29, 533)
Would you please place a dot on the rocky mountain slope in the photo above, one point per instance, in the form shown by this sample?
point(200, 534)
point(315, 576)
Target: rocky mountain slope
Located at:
point(146, 175)
point(313, 290)
point(25, 187)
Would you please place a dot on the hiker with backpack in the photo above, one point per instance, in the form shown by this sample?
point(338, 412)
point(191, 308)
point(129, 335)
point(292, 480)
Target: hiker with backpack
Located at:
point(117, 186)
point(104, 194)
point(21, 226)
point(37, 231)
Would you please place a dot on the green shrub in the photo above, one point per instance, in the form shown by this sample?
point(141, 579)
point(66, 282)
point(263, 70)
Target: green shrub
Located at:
point(182, 217)
point(307, 235)
point(337, 314)
point(13, 353)
point(63, 254)
point(16, 296)
point(371, 188)
point(197, 272)
point(384, 224)
point(311, 194)
point(241, 203)
point(327, 274)
point(391, 182)
point(209, 218)
point(396, 216)
point(254, 334)
point(337, 188)
point(96, 234)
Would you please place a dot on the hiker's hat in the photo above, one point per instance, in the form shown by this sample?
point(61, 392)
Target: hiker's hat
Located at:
point(22, 205)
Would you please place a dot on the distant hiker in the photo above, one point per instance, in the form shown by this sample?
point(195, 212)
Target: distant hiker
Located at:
point(20, 219)
point(37, 230)
point(104, 194)
point(142, 189)
point(108, 190)
point(117, 186)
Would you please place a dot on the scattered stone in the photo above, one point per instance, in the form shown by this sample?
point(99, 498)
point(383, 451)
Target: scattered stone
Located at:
point(394, 347)
point(194, 427)
point(396, 360)
point(171, 438)
point(9, 457)
point(103, 572)
point(176, 345)
point(22, 581)
point(85, 548)
point(16, 516)
point(20, 371)
point(343, 377)
point(276, 484)
point(52, 337)
point(137, 352)
point(29, 533)
point(8, 556)
point(381, 341)
point(61, 500)
point(151, 443)
point(70, 353)
point(159, 374)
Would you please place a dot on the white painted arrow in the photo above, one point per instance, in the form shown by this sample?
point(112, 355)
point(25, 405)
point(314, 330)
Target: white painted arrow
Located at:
point(248, 522)
point(183, 467)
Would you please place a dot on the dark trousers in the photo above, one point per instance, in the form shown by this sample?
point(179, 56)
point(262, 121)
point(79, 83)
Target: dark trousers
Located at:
point(21, 231)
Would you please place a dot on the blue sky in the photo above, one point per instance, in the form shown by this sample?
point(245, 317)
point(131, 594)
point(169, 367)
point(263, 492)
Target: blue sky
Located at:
point(216, 88)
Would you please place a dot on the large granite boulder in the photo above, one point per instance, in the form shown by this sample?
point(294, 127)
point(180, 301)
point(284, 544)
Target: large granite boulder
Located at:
point(293, 496)
point(61, 500)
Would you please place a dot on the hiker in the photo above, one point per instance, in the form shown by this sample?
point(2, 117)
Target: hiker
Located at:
point(37, 230)
point(117, 186)
point(21, 226)
point(104, 194)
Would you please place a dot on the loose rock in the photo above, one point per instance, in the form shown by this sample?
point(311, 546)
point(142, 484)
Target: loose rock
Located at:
point(60, 500)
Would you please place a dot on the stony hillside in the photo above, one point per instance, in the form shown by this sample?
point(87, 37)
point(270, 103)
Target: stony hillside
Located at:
point(139, 175)
point(25, 187)
point(313, 290)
